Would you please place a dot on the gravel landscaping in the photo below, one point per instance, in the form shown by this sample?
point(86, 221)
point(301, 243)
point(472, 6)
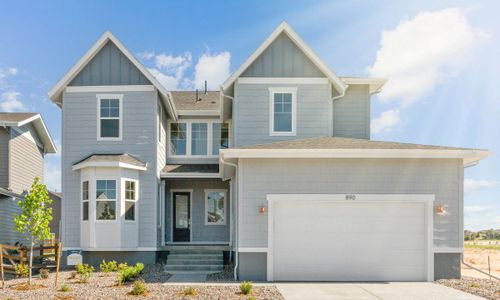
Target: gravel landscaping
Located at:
point(489, 289)
point(103, 286)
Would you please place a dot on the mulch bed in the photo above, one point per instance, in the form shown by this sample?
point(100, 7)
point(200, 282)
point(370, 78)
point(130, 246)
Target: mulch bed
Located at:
point(103, 286)
point(489, 289)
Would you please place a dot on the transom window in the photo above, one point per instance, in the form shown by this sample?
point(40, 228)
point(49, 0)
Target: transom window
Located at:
point(283, 111)
point(105, 199)
point(215, 207)
point(85, 201)
point(195, 138)
point(130, 199)
point(109, 123)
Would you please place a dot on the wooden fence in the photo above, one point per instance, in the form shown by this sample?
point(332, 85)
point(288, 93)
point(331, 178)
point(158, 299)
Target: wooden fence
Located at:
point(49, 256)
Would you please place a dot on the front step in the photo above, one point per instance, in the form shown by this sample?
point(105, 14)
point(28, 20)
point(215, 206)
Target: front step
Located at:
point(204, 268)
point(194, 260)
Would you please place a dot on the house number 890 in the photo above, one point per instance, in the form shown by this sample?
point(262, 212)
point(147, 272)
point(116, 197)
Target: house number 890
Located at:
point(350, 197)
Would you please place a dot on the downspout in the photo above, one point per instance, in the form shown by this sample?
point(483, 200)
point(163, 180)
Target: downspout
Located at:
point(235, 274)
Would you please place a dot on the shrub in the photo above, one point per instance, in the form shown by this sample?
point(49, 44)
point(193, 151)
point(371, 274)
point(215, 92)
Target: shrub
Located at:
point(108, 267)
point(84, 271)
point(122, 266)
point(129, 273)
point(22, 270)
point(44, 273)
point(139, 288)
point(190, 292)
point(64, 288)
point(246, 287)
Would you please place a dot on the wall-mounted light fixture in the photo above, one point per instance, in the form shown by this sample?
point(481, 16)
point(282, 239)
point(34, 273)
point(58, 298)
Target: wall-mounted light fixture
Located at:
point(262, 210)
point(440, 210)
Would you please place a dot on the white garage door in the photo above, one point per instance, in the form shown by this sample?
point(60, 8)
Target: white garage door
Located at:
point(349, 241)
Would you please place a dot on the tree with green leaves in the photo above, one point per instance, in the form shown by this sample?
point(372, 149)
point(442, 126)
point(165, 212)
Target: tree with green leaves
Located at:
point(35, 217)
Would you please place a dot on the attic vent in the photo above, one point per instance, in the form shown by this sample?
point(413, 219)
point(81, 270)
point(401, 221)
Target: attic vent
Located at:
point(197, 99)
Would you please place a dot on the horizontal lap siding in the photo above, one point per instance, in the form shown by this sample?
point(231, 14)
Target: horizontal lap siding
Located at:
point(4, 158)
point(442, 177)
point(80, 140)
point(252, 111)
point(8, 209)
point(351, 113)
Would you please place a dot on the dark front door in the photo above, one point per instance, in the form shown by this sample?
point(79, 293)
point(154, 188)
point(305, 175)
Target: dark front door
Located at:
point(182, 217)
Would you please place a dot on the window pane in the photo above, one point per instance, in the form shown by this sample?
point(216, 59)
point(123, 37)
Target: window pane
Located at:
point(220, 137)
point(129, 210)
point(283, 122)
point(282, 112)
point(105, 210)
point(110, 128)
point(199, 140)
point(85, 190)
point(215, 208)
point(110, 108)
point(85, 212)
point(178, 138)
point(105, 189)
point(129, 190)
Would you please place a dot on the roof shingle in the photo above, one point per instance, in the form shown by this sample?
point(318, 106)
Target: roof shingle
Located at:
point(120, 157)
point(186, 100)
point(15, 117)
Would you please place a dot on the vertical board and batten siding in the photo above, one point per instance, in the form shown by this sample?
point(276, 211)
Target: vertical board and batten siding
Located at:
point(251, 113)
point(351, 113)
point(4, 157)
point(26, 158)
point(200, 231)
point(441, 177)
point(110, 67)
point(282, 59)
point(8, 209)
point(79, 130)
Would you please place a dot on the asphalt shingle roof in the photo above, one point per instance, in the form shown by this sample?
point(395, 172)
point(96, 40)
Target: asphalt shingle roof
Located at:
point(193, 168)
point(186, 100)
point(120, 157)
point(8, 117)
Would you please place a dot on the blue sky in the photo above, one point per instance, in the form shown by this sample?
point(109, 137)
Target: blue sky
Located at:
point(444, 53)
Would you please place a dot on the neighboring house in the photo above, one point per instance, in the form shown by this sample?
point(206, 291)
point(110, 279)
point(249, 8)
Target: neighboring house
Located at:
point(24, 141)
point(276, 169)
point(55, 223)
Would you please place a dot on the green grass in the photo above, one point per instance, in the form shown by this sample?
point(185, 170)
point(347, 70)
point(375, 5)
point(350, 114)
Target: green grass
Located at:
point(483, 245)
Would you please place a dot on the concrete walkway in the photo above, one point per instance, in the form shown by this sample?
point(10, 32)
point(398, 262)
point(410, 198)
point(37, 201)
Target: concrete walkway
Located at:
point(372, 291)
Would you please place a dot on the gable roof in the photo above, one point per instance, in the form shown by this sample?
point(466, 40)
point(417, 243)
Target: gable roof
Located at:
point(22, 118)
point(339, 85)
point(56, 92)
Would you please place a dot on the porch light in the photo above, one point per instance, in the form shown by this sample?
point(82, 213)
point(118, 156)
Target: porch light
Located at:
point(262, 210)
point(440, 210)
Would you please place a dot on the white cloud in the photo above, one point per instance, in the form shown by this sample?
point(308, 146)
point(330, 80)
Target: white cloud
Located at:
point(419, 53)
point(9, 102)
point(212, 68)
point(475, 185)
point(476, 209)
point(146, 55)
point(169, 82)
point(387, 121)
point(12, 71)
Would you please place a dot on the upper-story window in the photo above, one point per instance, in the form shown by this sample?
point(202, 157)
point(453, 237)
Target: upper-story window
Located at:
point(198, 138)
point(109, 125)
point(283, 111)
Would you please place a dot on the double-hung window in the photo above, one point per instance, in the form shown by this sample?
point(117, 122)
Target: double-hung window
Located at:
point(215, 207)
point(178, 138)
point(130, 199)
point(105, 199)
point(85, 200)
point(220, 137)
point(283, 111)
point(198, 138)
point(109, 125)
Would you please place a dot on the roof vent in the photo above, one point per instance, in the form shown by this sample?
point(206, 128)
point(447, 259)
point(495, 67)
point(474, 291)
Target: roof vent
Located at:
point(197, 99)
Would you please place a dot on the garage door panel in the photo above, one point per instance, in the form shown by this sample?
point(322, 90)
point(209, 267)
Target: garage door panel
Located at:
point(349, 241)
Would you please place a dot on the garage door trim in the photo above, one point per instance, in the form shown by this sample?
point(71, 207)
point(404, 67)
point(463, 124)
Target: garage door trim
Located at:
point(427, 199)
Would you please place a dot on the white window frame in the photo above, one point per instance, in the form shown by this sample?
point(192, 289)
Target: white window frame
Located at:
point(160, 120)
point(120, 116)
point(124, 193)
point(188, 123)
point(212, 136)
point(85, 200)
point(117, 196)
point(207, 191)
point(279, 90)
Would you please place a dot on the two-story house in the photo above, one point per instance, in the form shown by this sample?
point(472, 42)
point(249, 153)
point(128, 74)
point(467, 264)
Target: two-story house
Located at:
point(276, 170)
point(24, 141)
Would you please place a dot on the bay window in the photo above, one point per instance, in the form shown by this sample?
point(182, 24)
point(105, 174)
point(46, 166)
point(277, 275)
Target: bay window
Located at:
point(105, 199)
point(85, 200)
point(130, 199)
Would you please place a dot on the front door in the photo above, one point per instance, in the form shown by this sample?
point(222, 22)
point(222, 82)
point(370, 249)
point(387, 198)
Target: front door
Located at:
point(182, 216)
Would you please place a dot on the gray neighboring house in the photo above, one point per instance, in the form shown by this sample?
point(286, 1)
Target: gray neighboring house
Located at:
point(24, 141)
point(275, 173)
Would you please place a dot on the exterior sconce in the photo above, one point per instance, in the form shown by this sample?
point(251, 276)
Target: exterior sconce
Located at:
point(440, 210)
point(262, 210)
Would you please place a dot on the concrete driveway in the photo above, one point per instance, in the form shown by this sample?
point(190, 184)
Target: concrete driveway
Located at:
point(372, 291)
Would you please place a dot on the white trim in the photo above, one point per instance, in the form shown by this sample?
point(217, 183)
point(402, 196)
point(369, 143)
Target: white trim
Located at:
point(117, 199)
point(448, 250)
point(283, 90)
point(282, 80)
point(40, 128)
point(374, 83)
point(190, 191)
point(186, 112)
point(253, 250)
point(83, 200)
point(207, 191)
point(109, 88)
point(468, 156)
point(136, 200)
point(427, 199)
point(285, 28)
point(190, 175)
point(120, 116)
point(107, 164)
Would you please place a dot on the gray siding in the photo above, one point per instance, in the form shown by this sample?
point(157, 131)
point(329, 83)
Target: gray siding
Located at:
point(200, 231)
point(26, 159)
point(4, 157)
point(282, 59)
point(109, 67)
point(251, 111)
point(252, 266)
point(441, 177)
point(447, 265)
point(351, 113)
point(8, 209)
point(79, 137)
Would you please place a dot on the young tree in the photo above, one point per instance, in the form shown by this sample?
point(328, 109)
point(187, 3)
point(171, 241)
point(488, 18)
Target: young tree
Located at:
point(36, 214)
